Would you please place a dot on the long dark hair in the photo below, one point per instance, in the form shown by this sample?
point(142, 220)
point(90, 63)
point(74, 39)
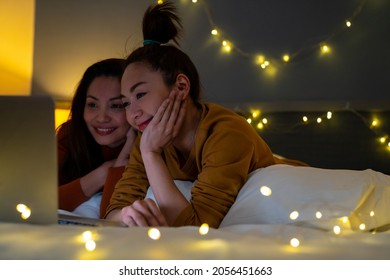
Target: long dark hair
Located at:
point(160, 25)
point(84, 152)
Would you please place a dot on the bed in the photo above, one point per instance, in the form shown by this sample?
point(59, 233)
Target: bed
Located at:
point(336, 208)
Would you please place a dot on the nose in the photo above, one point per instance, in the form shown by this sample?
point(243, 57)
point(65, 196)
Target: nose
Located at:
point(103, 115)
point(133, 112)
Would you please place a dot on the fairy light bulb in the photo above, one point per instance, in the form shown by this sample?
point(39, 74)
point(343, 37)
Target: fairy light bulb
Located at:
point(348, 23)
point(286, 58)
point(264, 120)
point(260, 59)
point(325, 49)
point(255, 113)
point(374, 123)
point(372, 213)
point(329, 115)
point(194, 1)
point(24, 210)
point(362, 226)
point(319, 120)
point(305, 119)
point(160, 2)
point(337, 230)
point(294, 215)
point(382, 140)
point(260, 125)
point(318, 215)
point(90, 245)
point(204, 229)
point(266, 191)
point(249, 120)
point(154, 233)
point(294, 242)
point(86, 235)
point(226, 46)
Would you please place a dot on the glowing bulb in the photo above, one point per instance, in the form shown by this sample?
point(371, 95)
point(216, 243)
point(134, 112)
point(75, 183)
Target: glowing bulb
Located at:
point(194, 1)
point(260, 125)
point(249, 120)
point(263, 66)
point(21, 207)
point(319, 120)
point(154, 233)
point(160, 2)
point(266, 191)
point(214, 32)
point(318, 215)
point(329, 115)
point(255, 113)
point(260, 59)
point(372, 214)
point(325, 49)
point(226, 46)
point(294, 242)
point(26, 214)
point(294, 215)
point(374, 123)
point(362, 226)
point(382, 140)
point(204, 229)
point(344, 219)
point(305, 119)
point(348, 23)
point(286, 58)
point(90, 245)
point(87, 235)
point(24, 210)
point(264, 120)
point(336, 230)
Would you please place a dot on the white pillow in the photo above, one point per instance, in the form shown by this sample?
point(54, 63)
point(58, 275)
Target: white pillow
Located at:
point(333, 193)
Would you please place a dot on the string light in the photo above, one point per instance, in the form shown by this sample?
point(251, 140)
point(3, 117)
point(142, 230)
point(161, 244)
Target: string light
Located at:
point(337, 230)
point(318, 215)
point(24, 210)
point(154, 233)
point(294, 215)
point(325, 49)
point(294, 242)
point(204, 229)
point(266, 191)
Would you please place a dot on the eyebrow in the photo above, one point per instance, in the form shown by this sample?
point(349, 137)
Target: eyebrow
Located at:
point(111, 99)
point(132, 89)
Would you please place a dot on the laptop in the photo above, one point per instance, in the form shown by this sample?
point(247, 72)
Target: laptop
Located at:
point(28, 164)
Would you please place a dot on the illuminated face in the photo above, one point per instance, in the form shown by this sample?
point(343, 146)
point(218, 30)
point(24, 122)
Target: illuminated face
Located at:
point(143, 91)
point(104, 113)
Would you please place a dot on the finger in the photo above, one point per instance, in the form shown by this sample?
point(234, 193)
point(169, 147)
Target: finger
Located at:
point(148, 216)
point(155, 210)
point(133, 217)
point(161, 111)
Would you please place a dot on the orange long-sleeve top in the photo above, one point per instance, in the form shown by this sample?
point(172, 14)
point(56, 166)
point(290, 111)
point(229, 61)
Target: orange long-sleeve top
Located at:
point(70, 193)
point(225, 151)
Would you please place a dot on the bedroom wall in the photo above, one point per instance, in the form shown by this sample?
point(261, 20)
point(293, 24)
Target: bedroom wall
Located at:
point(71, 34)
point(16, 46)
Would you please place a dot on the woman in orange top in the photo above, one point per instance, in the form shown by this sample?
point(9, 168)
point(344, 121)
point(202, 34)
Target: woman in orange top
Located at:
point(182, 138)
point(94, 144)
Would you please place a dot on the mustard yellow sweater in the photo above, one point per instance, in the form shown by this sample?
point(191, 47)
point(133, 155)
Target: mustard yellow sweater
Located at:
point(225, 151)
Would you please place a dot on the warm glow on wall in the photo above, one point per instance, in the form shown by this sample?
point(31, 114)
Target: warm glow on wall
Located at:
point(61, 116)
point(16, 47)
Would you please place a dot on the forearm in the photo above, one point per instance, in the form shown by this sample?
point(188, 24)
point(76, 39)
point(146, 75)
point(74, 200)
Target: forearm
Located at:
point(170, 200)
point(71, 195)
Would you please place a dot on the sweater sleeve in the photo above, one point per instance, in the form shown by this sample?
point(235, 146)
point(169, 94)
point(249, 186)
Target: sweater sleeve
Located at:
point(231, 151)
point(70, 193)
point(113, 176)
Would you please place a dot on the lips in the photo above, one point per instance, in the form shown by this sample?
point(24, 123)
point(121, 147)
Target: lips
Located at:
point(104, 131)
point(142, 126)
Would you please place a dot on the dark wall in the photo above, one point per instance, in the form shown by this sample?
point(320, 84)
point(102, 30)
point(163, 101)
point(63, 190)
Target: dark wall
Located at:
point(71, 34)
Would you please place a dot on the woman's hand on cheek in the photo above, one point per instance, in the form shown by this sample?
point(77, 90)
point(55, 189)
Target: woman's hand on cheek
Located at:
point(143, 213)
point(165, 125)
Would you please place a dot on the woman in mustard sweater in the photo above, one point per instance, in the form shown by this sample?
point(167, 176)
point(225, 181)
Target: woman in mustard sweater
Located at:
point(182, 138)
point(94, 144)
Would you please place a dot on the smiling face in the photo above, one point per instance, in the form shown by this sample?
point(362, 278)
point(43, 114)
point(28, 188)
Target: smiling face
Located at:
point(104, 113)
point(143, 91)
